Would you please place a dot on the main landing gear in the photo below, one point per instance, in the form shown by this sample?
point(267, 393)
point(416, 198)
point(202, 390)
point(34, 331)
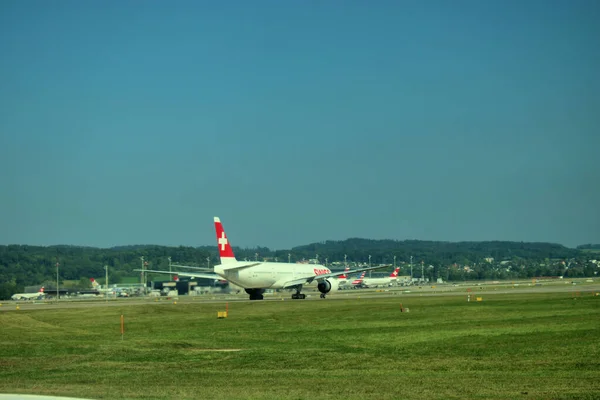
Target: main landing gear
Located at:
point(255, 294)
point(298, 295)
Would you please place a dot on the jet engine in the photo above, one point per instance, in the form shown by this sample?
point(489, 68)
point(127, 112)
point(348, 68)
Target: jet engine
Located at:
point(327, 285)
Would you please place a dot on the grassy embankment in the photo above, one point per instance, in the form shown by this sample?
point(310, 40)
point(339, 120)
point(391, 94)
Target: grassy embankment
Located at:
point(534, 346)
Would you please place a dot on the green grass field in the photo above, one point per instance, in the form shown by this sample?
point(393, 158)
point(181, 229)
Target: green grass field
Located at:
point(509, 346)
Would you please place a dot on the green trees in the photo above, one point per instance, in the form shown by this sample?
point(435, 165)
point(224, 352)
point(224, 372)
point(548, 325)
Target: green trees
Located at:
point(22, 265)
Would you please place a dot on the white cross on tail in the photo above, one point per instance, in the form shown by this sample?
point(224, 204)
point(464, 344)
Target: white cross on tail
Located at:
point(222, 241)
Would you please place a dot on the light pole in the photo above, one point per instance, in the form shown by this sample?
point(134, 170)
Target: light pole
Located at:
point(208, 262)
point(106, 283)
point(422, 273)
point(170, 276)
point(369, 265)
point(289, 258)
point(411, 275)
point(57, 264)
point(394, 263)
point(345, 263)
point(317, 258)
point(255, 256)
point(143, 276)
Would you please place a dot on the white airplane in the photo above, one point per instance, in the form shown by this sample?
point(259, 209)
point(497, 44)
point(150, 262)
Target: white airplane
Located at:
point(386, 281)
point(255, 277)
point(101, 289)
point(353, 283)
point(29, 296)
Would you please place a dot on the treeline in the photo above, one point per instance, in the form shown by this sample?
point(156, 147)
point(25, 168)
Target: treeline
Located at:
point(589, 247)
point(22, 265)
point(454, 261)
point(383, 251)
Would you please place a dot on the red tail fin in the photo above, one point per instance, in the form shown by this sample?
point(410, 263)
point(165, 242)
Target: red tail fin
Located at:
point(225, 251)
point(360, 279)
point(344, 275)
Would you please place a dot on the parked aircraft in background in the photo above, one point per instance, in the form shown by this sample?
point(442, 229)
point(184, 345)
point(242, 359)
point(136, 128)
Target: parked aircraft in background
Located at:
point(29, 296)
point(101, 289)
point(256, 276)
point(344, 276)
point(353, 283)
point(385, 281)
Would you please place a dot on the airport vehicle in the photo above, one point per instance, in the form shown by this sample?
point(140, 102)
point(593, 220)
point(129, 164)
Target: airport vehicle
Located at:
point(256, 276)
point(384, 281)
point(29, 296)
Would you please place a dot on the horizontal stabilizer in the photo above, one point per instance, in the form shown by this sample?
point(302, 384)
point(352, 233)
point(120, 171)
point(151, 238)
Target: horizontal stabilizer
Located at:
point(239, 266)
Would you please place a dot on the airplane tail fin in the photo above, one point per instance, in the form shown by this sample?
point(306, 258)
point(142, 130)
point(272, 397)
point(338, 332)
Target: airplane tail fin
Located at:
point(94, 283)
point(344, 275)
point(359, 279)
point(395, 273)
point(41, 290)
point(225, 250)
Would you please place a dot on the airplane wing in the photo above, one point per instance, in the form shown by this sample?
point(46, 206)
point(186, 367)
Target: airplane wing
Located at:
point(190, 267)
point(188, 274)
point(309, 279)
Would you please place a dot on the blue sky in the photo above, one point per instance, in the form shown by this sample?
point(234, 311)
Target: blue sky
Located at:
point(136, 122)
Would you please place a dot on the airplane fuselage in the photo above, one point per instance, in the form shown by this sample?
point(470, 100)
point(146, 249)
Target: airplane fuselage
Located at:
point(378, 282)
point(268, 275)
point(27, 296)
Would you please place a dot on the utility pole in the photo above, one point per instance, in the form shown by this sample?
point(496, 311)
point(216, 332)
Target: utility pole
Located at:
point(170, 276)
point(143, 276)
point(57, 264)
